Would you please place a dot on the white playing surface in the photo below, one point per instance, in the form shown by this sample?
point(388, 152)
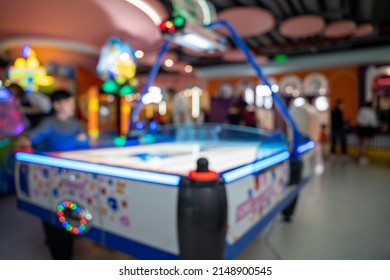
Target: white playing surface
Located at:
point(175, 158)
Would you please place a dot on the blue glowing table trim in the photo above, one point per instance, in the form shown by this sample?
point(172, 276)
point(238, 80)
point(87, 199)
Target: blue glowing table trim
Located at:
point(139, 175)
point(255, 167)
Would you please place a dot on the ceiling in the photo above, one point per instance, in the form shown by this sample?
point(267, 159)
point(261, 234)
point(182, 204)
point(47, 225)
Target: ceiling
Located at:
point(346, 24)
point(76, 26)
point(270, 27)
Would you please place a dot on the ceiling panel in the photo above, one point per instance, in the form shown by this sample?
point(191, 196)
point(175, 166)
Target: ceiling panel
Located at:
point(63, 21)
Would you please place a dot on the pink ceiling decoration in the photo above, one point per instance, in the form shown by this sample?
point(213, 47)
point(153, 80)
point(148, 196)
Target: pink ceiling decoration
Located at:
point(234, 55)
point(142, 32)
point(341, 28)
point(302, 26)
point(248, 21)
point(92, 22)
point(364, 30)
point(261, 59)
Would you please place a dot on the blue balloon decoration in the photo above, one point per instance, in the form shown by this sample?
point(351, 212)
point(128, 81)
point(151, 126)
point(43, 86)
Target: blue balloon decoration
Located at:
point(109, 55)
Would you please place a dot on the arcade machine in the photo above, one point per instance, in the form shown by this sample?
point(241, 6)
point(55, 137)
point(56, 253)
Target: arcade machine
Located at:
point(193, 192)
point(28, 72)
point(11, 125)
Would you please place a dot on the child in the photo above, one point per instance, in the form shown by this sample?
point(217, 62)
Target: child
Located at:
point(60, 132)
point(323, 141)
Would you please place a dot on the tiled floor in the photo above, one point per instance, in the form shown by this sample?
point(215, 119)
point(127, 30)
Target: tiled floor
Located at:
point(343, 213)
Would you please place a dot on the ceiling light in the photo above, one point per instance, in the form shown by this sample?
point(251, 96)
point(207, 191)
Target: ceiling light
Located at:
point(249, 96)
point(196, 102)
point(268, 102)
point(154, 95)
point(168, 62)
point(299, 102)
point(188, 68)
point(322, 91)
point(263, 90)
point(275, 88)
point(289, 89)
point(195, 37)
point(139, 54)
point(149, 11)
point(321, 103)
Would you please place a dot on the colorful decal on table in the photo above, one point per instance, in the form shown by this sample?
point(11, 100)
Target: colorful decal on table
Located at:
point(125, 221)
point(250, 204)
point(114, 202)
point(111, 201)
point(72, 217)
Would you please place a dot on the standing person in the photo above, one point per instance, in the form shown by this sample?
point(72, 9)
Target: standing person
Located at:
point(234, 116)
point(248, 116)
point(180, 110)
point(367, 123)
point(60, 132)
point(338, 129)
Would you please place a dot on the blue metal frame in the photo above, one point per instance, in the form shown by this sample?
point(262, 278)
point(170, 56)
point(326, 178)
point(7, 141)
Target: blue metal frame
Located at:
point(298, 138)
point(149, 81)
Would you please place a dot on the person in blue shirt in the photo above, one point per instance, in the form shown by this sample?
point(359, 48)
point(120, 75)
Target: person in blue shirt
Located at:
point(60, 132)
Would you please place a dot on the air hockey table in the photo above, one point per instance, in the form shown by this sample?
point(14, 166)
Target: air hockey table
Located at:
point(193, 192)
